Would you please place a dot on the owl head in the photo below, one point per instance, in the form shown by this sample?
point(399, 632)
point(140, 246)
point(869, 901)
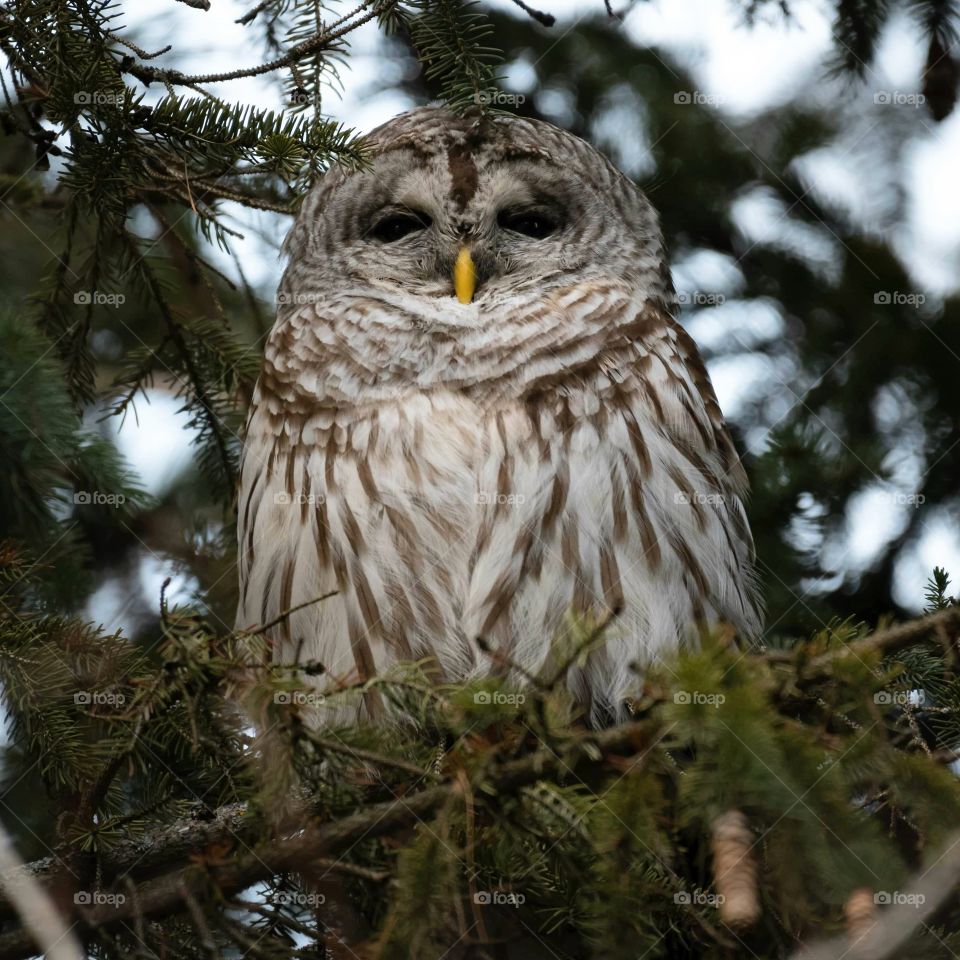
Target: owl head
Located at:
point(461, 213)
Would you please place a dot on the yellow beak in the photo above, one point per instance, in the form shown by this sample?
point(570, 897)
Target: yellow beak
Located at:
point(464, 276)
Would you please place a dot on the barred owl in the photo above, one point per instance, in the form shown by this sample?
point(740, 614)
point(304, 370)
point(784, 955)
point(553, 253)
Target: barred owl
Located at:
point(477, 414)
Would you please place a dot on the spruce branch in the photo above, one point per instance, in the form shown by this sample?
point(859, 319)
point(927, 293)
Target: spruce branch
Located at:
point(165, 895)
point(324, 40)
point(884, 642)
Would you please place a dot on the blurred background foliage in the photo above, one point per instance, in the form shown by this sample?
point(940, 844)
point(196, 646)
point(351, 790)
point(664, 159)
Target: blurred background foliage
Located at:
point(848, 409)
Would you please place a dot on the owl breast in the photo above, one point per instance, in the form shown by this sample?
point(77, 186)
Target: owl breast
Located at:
point(440, 518)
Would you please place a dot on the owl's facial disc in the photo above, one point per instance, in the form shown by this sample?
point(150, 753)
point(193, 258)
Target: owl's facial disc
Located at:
point(469, 231)
point(536, 210)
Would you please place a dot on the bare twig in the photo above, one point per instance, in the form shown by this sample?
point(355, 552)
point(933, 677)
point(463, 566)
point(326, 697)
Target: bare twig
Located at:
point(547, 19)
point(323, 40)
point(930, 888)
point(253, 632)
point(42, 923)
point(368, 756)
point(252, 15)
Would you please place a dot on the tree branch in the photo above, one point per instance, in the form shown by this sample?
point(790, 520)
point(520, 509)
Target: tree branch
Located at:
point(929, 889)
point(43, 925)
point(886, 641)
point(301, 844)
point(319, 41)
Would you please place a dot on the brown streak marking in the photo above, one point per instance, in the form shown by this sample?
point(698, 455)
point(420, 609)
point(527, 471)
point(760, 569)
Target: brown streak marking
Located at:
point(365, 599)
point(291, 467)
point(363, 658)
point(306, 489)
point(636, 441)
point(403, 528)
point(272, 458)
point(680, 481)
point(570, 554)
point(366, 479)
point(251, 523)
point(351, 529)
point(429, 609)
point(610, 578)
point(463, 174)
point(501, 593)
point(402, 617)
point(619, 506)
point(268, 585)
point(689, 562)
point(705, 434)
point(323, 535)
point(648, 539)
point(286, 594)
point(558, 497)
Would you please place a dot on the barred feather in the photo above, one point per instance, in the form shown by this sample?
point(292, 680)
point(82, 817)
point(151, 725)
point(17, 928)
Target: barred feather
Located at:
point(479, 470)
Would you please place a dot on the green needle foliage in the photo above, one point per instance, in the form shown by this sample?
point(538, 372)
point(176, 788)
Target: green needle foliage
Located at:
point(477, 816)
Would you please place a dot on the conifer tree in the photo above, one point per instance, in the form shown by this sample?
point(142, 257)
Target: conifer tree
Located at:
point(170, 792)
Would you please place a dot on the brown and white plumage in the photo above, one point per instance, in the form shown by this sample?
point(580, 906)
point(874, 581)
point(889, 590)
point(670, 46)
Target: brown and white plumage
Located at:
point(458, 470)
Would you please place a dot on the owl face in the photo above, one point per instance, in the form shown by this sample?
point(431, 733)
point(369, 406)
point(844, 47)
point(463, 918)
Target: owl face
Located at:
point(534, 207)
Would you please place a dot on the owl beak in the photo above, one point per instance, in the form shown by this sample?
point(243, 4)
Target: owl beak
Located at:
point(464, 276)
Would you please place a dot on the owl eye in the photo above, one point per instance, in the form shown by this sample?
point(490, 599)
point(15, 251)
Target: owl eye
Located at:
point(531, 223)
point(396, 226)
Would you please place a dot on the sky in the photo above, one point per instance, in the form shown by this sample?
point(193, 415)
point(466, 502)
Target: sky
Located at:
point(743, 69)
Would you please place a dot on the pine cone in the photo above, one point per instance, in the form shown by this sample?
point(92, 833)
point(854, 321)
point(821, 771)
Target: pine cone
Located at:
point(734, 869)
point(860, 912)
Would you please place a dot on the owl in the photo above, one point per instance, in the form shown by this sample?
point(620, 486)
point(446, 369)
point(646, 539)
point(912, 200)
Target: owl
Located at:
point(479, 419)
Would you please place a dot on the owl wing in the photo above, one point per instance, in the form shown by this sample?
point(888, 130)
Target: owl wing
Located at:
point(612, 483)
